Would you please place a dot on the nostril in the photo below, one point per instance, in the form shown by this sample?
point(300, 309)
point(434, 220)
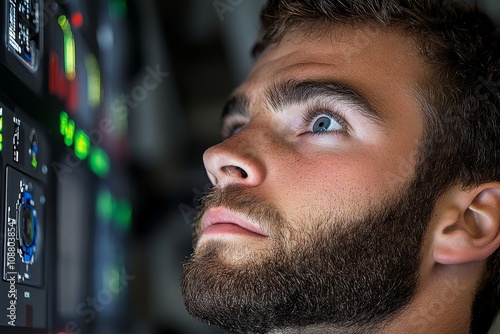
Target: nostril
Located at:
point(234, 170)
point(242, 172)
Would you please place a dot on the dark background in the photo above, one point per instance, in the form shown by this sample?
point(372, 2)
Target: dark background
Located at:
point(206, 50)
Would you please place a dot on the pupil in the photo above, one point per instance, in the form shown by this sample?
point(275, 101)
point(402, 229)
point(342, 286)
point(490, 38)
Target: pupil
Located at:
point(322, 124)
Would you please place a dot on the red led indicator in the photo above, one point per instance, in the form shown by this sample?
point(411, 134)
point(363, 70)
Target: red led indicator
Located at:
point(77, 20)
point(53, 74)
point(72, 100)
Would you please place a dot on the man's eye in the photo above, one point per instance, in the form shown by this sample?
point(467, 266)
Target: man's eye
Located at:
point(322, 120)
point(323, 124)
point(326, 123)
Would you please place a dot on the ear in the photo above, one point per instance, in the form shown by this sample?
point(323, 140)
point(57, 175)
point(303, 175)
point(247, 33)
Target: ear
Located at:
point(469, 230)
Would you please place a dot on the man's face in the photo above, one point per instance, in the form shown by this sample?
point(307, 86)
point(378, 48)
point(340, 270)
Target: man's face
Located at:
point(314, 219)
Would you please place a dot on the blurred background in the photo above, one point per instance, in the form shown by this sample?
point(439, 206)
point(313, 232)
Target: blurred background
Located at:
point(206, 48)
point(113, 103)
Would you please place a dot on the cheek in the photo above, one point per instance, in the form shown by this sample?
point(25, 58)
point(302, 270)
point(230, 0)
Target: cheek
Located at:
point(318, 185)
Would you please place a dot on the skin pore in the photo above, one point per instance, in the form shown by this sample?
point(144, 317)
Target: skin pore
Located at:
point(320, 152)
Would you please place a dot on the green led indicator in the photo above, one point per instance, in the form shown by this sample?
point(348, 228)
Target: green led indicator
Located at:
point(63, 122)
point(99, 162)
point(1, 124)
point(69, 133)
point(82, 145)
point(123, 215)
point(34, 163)
point(69, 48)
point(63, 21)
point(1, 147)
point(105, 206)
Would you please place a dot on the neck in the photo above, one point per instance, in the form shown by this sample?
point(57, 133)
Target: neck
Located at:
point(434, 318)
point(444, 307)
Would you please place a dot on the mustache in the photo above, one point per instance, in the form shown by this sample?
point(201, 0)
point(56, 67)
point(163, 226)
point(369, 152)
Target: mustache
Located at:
point(241, 201)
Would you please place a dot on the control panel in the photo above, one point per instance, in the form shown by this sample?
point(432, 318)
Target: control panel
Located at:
point(65, 209)
point(24, 160)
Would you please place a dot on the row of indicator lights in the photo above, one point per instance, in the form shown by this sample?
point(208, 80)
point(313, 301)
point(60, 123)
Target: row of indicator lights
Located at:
point(98, 160)
point(60, 86)
point(69, 66)
point(56, 83)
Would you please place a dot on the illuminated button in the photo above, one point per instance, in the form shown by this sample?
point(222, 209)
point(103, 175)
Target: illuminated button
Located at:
point(63, 123)
point(70, 133)
point(82, 145)
point(33, 149)
point(77, 20)
point(28, 229)
point(69, 48)
point(99, 162)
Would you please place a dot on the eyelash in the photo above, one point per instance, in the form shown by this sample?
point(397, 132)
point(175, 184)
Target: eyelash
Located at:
point(312, 113)
point(230, 127)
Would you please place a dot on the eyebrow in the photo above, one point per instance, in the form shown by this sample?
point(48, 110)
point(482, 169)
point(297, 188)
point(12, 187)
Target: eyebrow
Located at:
point(237, 104)
point(285, 94)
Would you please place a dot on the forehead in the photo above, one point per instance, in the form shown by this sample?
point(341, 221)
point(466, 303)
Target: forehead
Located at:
point(379, 63)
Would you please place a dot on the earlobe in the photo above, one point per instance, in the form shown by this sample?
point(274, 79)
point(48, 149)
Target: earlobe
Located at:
point(472, 232)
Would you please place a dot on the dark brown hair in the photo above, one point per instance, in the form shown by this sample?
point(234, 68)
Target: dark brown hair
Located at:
point(460, 96)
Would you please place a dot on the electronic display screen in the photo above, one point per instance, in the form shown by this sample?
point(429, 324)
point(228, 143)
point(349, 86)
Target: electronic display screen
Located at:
point(24, 38)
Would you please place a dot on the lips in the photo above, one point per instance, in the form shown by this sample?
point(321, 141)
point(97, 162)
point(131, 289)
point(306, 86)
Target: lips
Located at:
point(222, 221)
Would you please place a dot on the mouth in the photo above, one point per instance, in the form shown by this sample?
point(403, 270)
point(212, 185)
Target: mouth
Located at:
point(220, 221)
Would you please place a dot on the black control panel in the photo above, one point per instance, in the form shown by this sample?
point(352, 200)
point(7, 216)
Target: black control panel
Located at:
point(25, 157)
point(64, 205)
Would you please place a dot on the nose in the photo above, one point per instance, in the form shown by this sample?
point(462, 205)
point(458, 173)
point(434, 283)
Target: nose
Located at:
point(234, 161)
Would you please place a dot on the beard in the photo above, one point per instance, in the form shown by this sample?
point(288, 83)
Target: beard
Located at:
point(350, 272)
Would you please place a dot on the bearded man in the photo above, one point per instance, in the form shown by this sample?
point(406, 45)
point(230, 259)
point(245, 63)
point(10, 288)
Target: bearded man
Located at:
point(357, 189)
